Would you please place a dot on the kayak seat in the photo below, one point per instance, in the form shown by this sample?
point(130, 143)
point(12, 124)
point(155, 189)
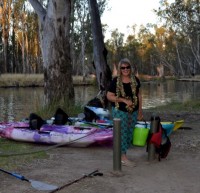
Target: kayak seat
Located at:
point(35, 121)
point(61, 118)
point(90, 116)
point(95, 102)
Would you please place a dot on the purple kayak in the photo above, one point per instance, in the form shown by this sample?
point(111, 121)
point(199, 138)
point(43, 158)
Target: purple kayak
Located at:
point(75, 136)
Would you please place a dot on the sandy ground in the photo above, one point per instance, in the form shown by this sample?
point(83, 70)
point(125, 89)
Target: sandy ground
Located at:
point(178, 173)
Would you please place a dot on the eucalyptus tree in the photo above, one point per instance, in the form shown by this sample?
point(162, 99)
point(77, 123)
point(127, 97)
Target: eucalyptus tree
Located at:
point(54, 28)
point(26, 44)
point(116, 45)
point(34, 51)
point(5, 17)
point(183, 17)
point(100, 52)
point(147, 51)
point(81, 38)
point(55, 41)
point(21, 31)
point(1, 45)
point(132, 47)
point(165, 49)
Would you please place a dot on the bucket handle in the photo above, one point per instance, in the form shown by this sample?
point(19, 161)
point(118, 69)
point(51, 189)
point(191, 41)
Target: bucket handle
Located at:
point(145, 123)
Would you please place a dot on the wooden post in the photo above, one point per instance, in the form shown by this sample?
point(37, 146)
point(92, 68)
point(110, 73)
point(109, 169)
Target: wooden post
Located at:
point(153, 129)
point(117, 145)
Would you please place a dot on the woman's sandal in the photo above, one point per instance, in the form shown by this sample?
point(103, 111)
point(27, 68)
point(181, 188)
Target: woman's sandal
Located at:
point(128, 163)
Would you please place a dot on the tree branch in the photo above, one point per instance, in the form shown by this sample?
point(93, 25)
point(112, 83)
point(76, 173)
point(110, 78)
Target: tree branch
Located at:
point(41, 12)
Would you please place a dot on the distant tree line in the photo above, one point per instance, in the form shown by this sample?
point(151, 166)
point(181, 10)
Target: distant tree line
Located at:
point(174, 46)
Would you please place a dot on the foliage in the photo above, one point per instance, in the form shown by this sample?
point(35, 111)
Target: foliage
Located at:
point(174, 42)
point(69, 107)
point(81, 37)
point(182, 17)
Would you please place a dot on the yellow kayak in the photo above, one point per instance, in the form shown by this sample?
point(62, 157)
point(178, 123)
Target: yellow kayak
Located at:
point(169, 126)
point(178, 124)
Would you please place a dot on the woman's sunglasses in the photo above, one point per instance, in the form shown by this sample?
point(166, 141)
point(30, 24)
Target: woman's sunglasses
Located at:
point(125, 67)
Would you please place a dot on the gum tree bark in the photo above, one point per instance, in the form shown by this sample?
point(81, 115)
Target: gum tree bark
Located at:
point(103, 72)
point(55, 45)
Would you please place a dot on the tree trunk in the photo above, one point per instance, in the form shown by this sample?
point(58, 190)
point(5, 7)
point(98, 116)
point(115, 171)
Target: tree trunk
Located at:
point(55, 46)
point(179, 61)
point(5, 24)
point(103, 72)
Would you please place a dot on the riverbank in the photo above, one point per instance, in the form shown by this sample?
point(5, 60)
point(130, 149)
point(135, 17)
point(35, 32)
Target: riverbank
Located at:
point(178, 173)
point(62, 165)
point(36, 80)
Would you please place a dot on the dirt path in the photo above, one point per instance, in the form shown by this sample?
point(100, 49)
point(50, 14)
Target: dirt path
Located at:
point(179, 173)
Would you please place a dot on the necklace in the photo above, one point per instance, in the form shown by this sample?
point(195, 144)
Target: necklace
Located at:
point(120, 92)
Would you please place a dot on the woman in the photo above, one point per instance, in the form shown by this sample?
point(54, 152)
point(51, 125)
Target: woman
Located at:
point(125, 97)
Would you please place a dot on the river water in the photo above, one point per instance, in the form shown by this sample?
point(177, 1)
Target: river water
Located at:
point(18, 103)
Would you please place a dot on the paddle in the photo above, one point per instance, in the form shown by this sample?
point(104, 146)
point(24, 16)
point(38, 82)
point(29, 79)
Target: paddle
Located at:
point(35, 184)
point(94, 173)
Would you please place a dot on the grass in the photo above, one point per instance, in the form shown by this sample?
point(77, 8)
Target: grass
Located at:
point(90, 80)
point(187, 106)
point(25, 80)
point(9, 80)
point(47, 111)
point(15, 154)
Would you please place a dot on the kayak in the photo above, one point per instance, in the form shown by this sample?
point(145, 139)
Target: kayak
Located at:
point(172, 126)
point(74, 136)
point(178, 124)
point(81, 134)
point(167, 126)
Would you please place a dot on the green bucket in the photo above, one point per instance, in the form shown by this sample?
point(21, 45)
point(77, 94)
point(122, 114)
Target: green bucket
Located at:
point(140, 134)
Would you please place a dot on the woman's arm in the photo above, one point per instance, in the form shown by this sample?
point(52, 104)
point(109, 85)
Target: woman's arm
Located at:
point(113, 98)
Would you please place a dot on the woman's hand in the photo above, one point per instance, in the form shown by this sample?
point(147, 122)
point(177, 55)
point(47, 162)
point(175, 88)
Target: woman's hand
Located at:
point(128, 102)
point(129, 105)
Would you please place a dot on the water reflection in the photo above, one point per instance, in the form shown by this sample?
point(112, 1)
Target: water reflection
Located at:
point(17, 103)
point(156, 94)
point(84, 94)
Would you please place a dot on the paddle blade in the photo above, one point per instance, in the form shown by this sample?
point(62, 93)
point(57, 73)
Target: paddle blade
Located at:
point(42, 186)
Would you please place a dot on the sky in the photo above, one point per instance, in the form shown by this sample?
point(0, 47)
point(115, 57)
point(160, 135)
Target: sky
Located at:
point(125, 13)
